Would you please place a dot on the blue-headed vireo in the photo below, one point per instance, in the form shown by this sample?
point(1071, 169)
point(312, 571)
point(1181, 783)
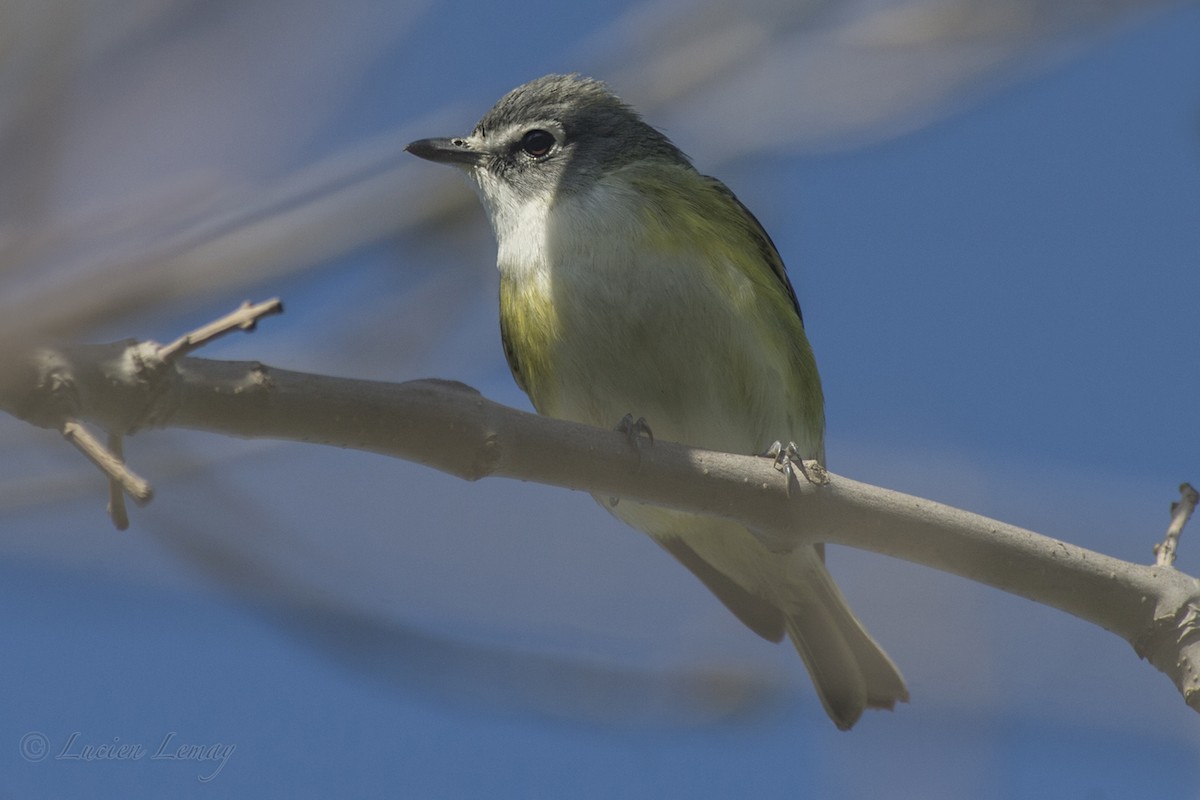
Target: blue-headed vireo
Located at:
point(630, 284)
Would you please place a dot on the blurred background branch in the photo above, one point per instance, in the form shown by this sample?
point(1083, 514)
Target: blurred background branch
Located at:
point(168, 149)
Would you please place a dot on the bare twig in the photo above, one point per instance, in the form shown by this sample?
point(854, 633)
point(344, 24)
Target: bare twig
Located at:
point(116, 494)
point(1181, 511)
point(245, 317)
point(108, 462)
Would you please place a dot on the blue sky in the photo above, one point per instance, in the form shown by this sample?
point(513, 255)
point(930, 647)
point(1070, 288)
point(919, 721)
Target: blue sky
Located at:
point(1003, 306)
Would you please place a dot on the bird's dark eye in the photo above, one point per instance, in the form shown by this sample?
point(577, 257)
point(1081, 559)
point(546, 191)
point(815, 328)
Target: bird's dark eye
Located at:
point(537, 143)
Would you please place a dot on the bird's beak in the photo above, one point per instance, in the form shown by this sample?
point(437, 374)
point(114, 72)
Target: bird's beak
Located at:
point(447, 151)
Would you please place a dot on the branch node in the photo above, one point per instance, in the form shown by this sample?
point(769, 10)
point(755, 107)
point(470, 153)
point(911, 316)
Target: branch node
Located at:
point(1181, 511)
point(1172, 644)
point(815, 472)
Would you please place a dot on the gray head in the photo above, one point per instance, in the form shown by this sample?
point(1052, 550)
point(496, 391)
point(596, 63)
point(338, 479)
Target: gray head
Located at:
point(559, 133)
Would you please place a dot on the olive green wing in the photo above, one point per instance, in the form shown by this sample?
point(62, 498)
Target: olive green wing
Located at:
point(766, 247)
point(771, 257)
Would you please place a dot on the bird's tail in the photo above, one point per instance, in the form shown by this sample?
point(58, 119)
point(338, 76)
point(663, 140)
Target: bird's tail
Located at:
point(776, 593)
point(849, 670)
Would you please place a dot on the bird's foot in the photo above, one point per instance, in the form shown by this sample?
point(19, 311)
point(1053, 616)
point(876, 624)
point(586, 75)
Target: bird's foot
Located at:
point(636, 431)
point(788, 460)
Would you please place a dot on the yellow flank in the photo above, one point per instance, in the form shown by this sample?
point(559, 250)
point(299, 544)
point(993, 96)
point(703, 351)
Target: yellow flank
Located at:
point(529, 327)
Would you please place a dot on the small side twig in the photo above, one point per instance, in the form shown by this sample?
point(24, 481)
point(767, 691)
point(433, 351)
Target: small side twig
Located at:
point(108, 462)
point(1181, 511)
point(116, 493)
point(244, 317)
point(141, 365)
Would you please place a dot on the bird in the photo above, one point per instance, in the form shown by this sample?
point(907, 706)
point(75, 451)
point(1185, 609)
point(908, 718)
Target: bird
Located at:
point(633, 286)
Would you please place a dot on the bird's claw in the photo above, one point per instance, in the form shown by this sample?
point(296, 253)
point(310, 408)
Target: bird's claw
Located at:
point(635, 430)
point(788, 460)
point(785, 457)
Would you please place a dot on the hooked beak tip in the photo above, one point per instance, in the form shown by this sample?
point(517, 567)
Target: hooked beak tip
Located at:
point(445, 151)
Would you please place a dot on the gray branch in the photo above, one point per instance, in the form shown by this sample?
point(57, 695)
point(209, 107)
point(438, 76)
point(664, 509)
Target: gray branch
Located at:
point(127, 386)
